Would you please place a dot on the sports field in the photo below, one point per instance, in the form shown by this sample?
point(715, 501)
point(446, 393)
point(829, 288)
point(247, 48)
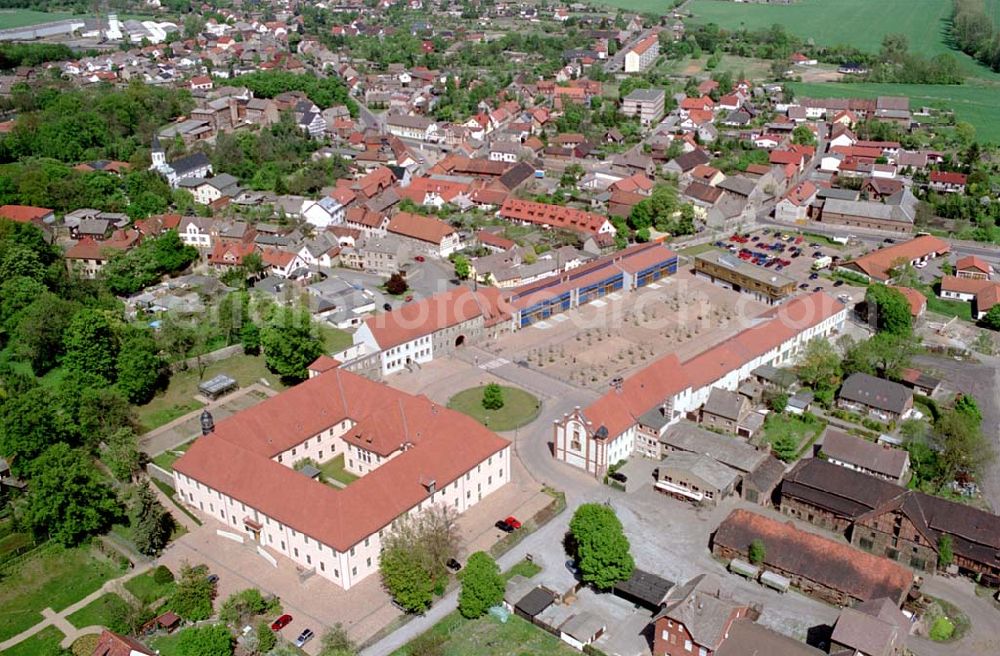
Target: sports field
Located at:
point(973, 102)
point(24, 17)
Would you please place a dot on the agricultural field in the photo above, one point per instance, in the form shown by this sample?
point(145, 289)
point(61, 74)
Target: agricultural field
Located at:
point(23, 17)
point(858, 23)
point(972, 102)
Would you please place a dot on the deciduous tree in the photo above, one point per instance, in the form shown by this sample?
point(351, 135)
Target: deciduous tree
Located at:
point(30, 422)
point(139, 368)
point(492, 396)
point(291, 343)
point(90, 345)
point(336, 642)
point(192, 598)
point(891, 310)
point(213, 640)
point(602, 550)
point(482, 586)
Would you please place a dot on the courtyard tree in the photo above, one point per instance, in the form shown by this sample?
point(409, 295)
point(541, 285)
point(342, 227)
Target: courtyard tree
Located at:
point(601, 549)
point(884, 355)
point(819, 366)
point(482, 586)
point(242, 606)
point(492, 396)
point(890, 309)
point(803, 136)
point(962, 447)
point(756, 553)
point(396, 284)
point(414, 554)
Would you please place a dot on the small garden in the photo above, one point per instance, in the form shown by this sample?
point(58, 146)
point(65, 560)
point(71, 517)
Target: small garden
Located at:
point(498, 407)
point(790, 435)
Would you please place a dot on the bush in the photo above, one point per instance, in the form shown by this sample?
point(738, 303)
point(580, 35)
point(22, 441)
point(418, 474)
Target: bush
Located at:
point(492, 397)
point(942, 629)
point(162, 575)
point(85, 645)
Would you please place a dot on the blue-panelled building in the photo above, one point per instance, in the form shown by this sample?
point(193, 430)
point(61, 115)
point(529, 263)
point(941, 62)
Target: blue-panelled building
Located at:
point(626, 270)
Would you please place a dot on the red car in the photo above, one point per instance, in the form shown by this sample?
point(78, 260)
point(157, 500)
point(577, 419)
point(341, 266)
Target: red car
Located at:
point(419, 258)
point(513, 522)
point(281, 622)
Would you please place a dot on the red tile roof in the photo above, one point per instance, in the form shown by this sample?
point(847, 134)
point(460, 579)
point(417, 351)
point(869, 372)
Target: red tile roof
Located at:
point(801, 194)
point(496, 241)
point(555, 216)
point(645, 44)
point(878, 263)
point(424, 228)
point(917, 301)
point(973, 262)
point(231, 253)
point(89, 249)
point(112, 644)
point(23, 213)
point(948, 177)
point(429, 315)
point(440, 445)
point(278, 258)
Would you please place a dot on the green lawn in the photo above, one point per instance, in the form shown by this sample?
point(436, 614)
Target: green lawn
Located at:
point(778, 426)
point(177, 400)
point(167, 459)
point(335, 469)
point(44, 643)
point(946, 307)
point(99, 612)
point(24, 17)
point(56, 578)
point(148, 590)
point(519, 408)
point(974, 101)
point(488, 637)
point(525, 568)
point(335, 339)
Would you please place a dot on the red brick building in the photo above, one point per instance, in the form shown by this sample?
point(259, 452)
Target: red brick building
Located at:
point(695, 619)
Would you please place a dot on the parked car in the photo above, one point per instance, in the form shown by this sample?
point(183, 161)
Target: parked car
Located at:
point(504, 526)
point(921, 265)
point(212, 578)
point(281, 622)
point(813, 276)
point(453, 565)
point(419, 258)
point(386, 307)
point(804, 285)
point(304, 637)
point(618, 476)
point(571, 566)
point(839, 283)
point(513, 521)
point(888, 240)
point(817, 289)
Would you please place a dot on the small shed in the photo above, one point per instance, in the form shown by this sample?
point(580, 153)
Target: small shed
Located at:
point(168, 621)
point(215, 387)
point(775, 581)
point(644, 589)
point(310, 470)
point(533, 603)
point(743, 568)
point(582, 629)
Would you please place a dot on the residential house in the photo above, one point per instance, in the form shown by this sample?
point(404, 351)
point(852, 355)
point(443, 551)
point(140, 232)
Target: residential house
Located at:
point(695, 477)
point(112, 644)
point(877, 397)
point(747, 638)
point(228, 255)
point(428, 233)
point(983, 294)
point(974, 267)
point(419, 128)
point(326, 211)
point(947, 182)
point(646, 104)
point(872, 628)
point(88, 256)
point(695, 619)
point(642, 55)
point(794, 207)
point(889, 215)
point(725, 410)
point(882, 461)
point(196, 231)
point(555, 216)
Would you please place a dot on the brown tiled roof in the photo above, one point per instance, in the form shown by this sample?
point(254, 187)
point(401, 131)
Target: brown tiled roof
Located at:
point(236, 459)
point(747, 638)
point(112, 644)
point(857, 451)
point(973, 262)
point(23, 213)
point(416, 226)
point(834, 564)
point(555, 216)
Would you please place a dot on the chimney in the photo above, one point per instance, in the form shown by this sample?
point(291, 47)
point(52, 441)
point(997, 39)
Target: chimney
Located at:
point(207, 423)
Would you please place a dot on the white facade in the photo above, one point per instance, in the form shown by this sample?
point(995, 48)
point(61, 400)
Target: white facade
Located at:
point(346, 569)
point(323, 212)
point(193, 233)
point(397, 358)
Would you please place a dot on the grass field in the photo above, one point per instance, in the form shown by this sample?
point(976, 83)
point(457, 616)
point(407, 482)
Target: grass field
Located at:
point(44, 643)
point(24, 17)
point(488, 637)
point(100, 612)
point(335, 469)
point(176, 400)
point(56, 579)
point(146, 589)
point(519, 408)
point(973, 102)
